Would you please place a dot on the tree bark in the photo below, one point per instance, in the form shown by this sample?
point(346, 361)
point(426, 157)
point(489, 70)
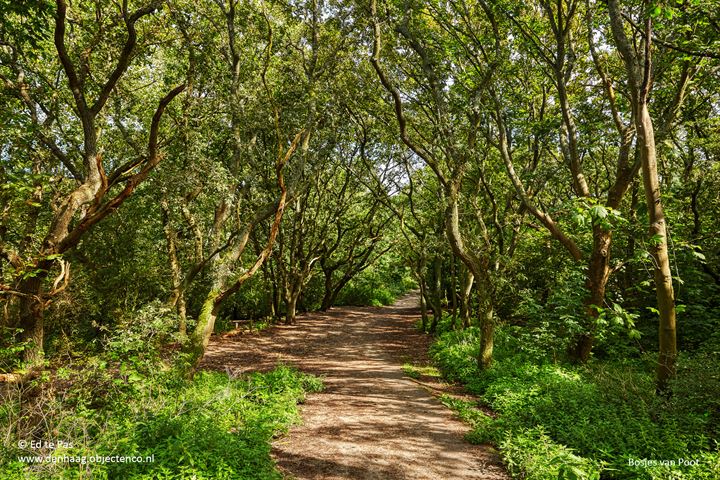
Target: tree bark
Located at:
point(423, 295)
point(487, 323)
point(467, 286)
point(638, 66)
point(596, 283)
point(177, 292)
point(31, 318)
point(205, 324)
point(661, 264)
point(453, 291)
point(291, 298)
point(479, 266)
point(290, 306)
point(436, 293)
point(328, 297)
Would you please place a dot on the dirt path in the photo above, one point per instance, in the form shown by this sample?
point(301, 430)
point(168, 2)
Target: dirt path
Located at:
point(370, 422)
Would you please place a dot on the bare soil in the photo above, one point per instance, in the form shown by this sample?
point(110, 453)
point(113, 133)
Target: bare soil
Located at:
point(371, 421)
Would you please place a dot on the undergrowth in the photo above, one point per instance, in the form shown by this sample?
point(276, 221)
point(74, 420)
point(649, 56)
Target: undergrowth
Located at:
point(135, 399)
point(213, 427)
point(376, 287)
point(417, 371)
point(603, 420)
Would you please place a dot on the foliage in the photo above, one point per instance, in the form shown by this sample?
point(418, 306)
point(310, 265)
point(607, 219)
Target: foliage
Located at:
point(377, 286)
point(133, 398)
point(10, 350)
point(483, 429)
point(534, 455)
point(417, 371)
point(556, 418)
point(211, 427)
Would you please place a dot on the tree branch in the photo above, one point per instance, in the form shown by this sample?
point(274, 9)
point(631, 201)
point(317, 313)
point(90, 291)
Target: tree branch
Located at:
point(124, 58)
point(98, 212)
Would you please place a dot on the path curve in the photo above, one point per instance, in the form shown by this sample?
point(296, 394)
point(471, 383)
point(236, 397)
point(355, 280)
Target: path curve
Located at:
point(370, 422)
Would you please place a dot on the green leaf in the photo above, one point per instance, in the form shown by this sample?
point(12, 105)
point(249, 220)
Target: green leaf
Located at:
point(699, 255)
point(598, 211)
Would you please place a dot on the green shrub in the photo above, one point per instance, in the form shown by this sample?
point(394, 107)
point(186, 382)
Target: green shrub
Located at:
point(558, 420)
point(455, 353)
point(533, 455)
point(378, 285)
point(366, 292)
point(211, 427)
point(10, 349)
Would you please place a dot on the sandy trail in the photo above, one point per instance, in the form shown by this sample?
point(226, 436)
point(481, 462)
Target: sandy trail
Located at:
point(371, 421)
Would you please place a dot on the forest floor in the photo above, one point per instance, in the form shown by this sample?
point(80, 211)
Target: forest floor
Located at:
point(371, 421)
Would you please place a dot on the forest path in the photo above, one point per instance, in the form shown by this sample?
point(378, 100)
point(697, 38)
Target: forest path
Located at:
point(370, 421)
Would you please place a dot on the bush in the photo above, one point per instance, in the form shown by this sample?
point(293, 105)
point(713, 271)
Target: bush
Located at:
point(211, 427)
point(533, 455)
point(376, 286)
point(10, 349)
point(565, 421)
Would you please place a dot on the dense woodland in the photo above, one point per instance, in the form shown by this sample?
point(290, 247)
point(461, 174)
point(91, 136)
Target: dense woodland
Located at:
point(545, 173)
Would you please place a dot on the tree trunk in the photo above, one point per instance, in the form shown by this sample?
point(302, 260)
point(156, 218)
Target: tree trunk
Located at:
point(336, 291)
point(177, 295)
point(333, 291)
point(629, 274)
point(205, 324)
point(276, 302)
point(31, 319)
point(453, 291)
point(467, 285)
point(659, 251)
point(290, 306)
point(327, 300)
point(436, 293)
point(293, 289)
point(423, 302)
point(479, 267)
point(596, 283)
point(182, 313)
point(638, 66)
point(334, 294)
point(275, 293)
point(487, 324)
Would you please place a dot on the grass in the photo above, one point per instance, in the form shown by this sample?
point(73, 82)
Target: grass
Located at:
point(417, 371)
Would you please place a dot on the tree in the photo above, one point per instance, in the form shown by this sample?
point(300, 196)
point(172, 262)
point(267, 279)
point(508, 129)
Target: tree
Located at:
point(88, 193)
point(439, 98)
point(638, 66)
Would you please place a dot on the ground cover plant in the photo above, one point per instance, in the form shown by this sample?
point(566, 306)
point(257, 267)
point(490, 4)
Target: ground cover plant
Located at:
point(211, 427)
point(136, 397)
point(600, 420)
